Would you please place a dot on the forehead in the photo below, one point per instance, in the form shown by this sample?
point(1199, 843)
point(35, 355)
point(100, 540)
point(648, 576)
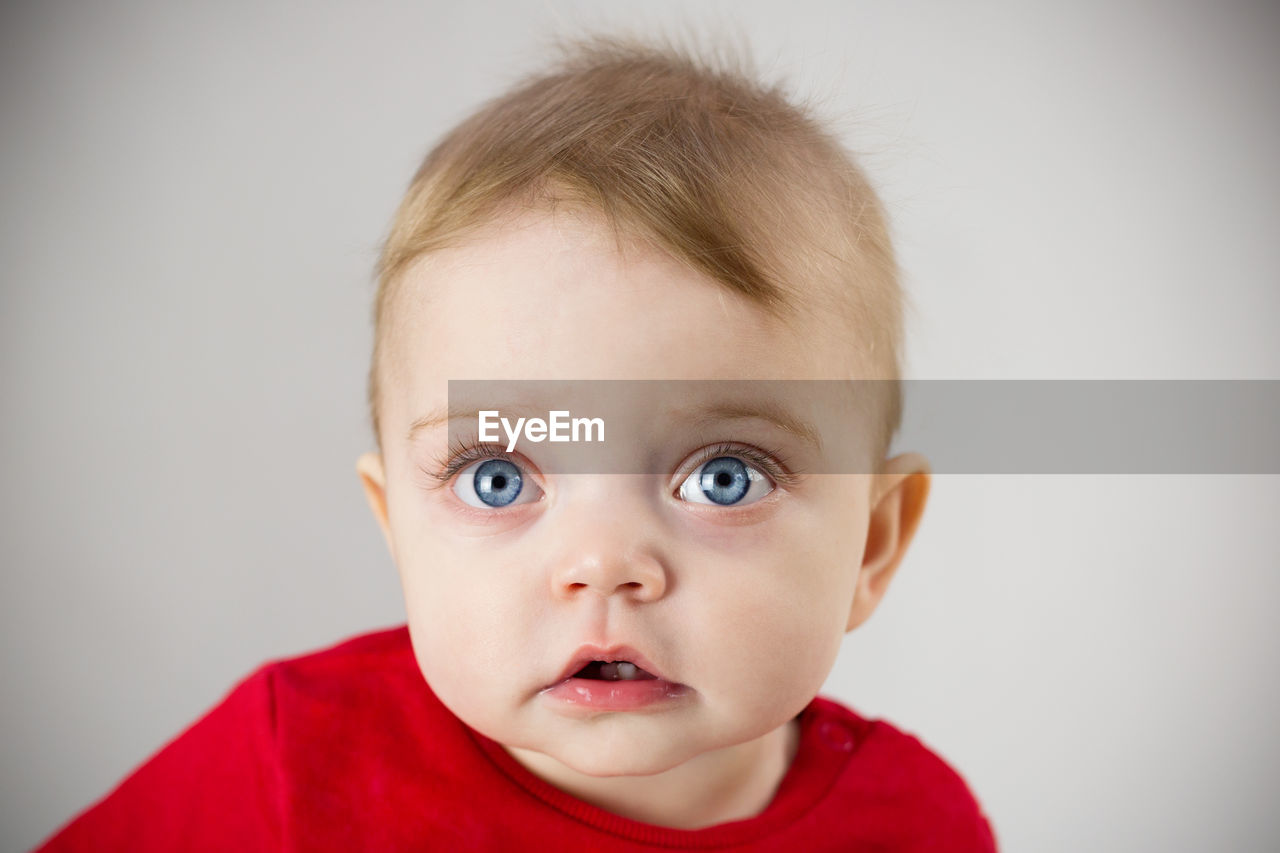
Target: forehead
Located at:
point(544, 295)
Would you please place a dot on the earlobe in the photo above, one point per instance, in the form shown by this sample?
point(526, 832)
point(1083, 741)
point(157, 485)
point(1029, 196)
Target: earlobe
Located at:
point(373, 478)
point(898, 498)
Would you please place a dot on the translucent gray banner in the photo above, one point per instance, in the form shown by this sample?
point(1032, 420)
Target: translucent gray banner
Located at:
point(835, 426)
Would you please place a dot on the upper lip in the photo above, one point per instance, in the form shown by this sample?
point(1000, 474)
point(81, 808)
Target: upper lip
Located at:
point(590, 652)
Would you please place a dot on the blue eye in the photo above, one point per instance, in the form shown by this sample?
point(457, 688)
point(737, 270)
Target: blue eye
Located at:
point(493, 484)
point(725, 481)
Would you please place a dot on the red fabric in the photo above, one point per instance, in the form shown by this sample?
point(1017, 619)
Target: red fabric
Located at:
point(348, 749)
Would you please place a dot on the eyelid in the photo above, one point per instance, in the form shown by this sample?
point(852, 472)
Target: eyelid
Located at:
point(463, 453)
point(771, 462)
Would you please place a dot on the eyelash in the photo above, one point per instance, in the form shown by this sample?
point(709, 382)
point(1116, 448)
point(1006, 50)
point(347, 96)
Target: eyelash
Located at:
point(459, 455)
point(462, 453)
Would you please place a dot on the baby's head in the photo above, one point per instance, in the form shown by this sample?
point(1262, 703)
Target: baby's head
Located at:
point(635, 214)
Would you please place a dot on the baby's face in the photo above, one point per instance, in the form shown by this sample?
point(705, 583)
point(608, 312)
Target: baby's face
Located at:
point(733, 586)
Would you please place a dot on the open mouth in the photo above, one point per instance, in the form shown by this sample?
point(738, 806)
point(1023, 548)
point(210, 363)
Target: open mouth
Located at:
point(617, 670)
point(613, 679)
point(617, 665)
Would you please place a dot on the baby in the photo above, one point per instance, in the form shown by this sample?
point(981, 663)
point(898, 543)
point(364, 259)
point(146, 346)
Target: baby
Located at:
point(620, 651)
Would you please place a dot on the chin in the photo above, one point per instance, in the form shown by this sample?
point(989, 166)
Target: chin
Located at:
point(631, 759)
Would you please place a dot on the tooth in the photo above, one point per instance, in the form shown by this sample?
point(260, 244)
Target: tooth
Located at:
point(626, 670)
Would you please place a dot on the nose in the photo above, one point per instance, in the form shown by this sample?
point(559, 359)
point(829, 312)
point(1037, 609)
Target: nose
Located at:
point(605, 560)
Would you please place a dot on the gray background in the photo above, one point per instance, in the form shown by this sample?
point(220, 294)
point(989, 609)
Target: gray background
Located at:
point(192, 199)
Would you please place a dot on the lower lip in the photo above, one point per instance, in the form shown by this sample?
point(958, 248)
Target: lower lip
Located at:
point(591, 694)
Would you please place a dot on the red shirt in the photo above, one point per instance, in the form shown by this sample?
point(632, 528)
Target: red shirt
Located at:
point(348, 749)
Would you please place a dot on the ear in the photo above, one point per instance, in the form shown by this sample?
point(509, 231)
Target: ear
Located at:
point(898, 496)
point(374, 479)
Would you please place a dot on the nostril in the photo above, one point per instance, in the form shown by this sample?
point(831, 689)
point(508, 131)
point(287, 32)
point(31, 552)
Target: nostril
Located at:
point(569, 587)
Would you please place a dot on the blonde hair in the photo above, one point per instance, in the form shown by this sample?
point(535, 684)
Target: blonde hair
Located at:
point(726, 174)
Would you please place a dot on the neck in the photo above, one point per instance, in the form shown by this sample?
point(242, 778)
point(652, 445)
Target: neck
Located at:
point(728, 784)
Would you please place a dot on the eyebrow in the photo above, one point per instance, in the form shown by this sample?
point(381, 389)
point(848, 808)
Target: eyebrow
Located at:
point(765, 410)
point(443, 416)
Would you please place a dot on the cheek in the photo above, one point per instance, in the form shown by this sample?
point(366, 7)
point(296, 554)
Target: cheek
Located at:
point(774, 610)
point(465, 622)
point(775, 639)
